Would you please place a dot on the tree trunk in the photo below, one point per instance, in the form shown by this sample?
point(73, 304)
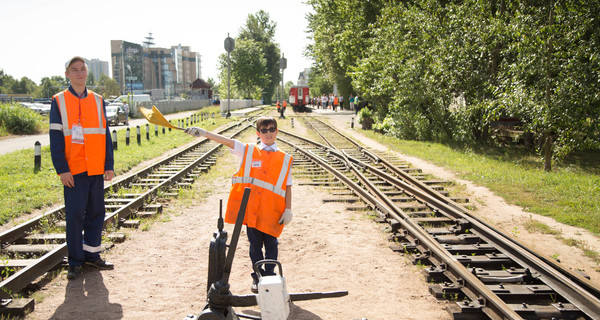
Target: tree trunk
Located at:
point(547, 152)
point(548, 134)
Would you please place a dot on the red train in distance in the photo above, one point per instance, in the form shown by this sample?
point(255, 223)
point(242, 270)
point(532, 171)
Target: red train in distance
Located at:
point(299, 98)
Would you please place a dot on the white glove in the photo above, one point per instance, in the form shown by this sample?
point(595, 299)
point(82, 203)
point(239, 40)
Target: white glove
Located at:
point(286, 217)
point(195, 131)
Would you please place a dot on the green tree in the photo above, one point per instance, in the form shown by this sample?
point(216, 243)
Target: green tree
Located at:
point(445, 71)
point(213, 85)
point(91, 80)
point(248, 68)
point(555, 81)
point(318, 83)
point(107, 86)
point(341, 31)
point(24, 86)
point(6, 82)
point(234, 93)
point(260, 29)
point(50, 86)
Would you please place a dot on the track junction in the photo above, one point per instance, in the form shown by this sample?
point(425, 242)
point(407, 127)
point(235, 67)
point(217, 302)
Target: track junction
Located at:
point(486, 273)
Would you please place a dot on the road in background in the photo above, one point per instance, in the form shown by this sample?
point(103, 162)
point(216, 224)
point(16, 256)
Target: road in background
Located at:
point(28, 142)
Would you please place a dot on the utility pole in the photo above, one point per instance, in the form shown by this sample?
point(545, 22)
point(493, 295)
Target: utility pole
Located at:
point(229, 46)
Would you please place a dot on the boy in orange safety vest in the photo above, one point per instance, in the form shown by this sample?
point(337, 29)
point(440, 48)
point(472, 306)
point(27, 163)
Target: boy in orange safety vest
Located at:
point(266, 170)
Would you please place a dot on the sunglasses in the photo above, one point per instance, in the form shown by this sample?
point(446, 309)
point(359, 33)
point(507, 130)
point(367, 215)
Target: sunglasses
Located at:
point(271, 129)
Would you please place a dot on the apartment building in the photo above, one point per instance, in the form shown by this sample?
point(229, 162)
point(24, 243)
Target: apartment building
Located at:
point(97, 67)
point(140, 69)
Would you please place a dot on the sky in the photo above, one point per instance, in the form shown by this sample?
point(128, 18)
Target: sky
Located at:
point(39, 36)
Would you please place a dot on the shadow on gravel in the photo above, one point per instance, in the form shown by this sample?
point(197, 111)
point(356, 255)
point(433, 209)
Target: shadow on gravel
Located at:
point(296, 313)
point(86, 297)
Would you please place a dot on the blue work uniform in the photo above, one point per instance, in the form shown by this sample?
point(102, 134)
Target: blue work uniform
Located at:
point(84, 203)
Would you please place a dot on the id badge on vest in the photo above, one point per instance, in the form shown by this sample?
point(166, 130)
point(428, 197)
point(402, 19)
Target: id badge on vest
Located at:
point(77, 134)
point(256, 164)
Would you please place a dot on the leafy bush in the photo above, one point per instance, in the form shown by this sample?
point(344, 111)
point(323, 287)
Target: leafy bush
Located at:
point(365, 118)
point(19, 119)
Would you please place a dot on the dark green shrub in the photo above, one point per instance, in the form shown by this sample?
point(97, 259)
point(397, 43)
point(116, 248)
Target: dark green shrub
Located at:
point(365, 118)
point(17, 119)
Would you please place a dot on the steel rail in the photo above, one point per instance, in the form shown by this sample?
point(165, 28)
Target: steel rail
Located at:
point(582, 298)
point(382, 203)
point(20, 279)
point(462, 212)
point(562, 284)
point(21, 230)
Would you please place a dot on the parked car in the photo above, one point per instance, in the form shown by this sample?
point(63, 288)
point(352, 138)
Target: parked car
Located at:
point(40, 108)
point(115, 114)
point(133, 100)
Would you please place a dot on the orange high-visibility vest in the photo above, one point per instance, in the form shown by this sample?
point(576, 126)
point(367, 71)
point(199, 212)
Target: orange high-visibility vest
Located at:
point(335, 101)
point(284, 103)
point(88, 112)
point(265, 173)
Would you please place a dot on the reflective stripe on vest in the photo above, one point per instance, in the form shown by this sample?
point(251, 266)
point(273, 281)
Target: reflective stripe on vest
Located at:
point(246, 178)
point(62, 106)
point(267, 181)
point(89, 113)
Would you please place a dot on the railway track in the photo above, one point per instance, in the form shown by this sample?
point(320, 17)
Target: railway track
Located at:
point(31, 249)
point(483, 272)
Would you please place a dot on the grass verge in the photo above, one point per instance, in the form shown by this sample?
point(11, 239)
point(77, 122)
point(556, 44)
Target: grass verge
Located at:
point(23, 190)
point(569, 194)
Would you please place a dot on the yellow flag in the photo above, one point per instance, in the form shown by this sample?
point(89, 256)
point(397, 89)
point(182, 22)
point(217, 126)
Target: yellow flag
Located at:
point(154, 116)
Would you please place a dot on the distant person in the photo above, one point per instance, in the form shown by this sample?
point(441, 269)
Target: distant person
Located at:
point(336, 103)
point(82, 155)
point(279, 108)
point(351, 101)
point(356, 102)
point(267, 171)
point(324, 101)
point(341, 102)
point(126, 109)
point(283, 109)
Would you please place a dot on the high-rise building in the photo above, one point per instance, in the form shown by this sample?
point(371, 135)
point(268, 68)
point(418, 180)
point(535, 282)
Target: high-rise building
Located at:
point(173, 70)
point(127, 65)
point(303, 77)
point(97, 67)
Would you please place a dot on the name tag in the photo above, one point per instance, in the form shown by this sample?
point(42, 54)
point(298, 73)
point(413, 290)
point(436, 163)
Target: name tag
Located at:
point(77, 134)
point(256, 164)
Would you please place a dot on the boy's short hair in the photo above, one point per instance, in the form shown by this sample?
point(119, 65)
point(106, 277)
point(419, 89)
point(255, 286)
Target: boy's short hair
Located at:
point(265, 122)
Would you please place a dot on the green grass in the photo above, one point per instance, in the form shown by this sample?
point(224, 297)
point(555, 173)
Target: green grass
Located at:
point(23, 190)
point(570, 194)
point(534, 226)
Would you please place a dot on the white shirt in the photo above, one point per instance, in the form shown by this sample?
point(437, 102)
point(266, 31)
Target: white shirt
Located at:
point(239, 148)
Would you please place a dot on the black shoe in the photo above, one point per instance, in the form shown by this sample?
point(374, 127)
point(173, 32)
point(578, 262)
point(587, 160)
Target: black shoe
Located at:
point(101, 264)
point(74, 272)
point(254, 287)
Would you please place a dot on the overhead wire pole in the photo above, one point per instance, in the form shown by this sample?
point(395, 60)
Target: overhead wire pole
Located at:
point(282, 65)
point(229, 46)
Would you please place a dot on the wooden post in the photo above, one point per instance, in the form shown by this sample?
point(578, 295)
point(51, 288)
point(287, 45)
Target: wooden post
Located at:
point(37, 156)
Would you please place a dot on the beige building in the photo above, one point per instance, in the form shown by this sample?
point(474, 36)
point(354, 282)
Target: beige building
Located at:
point(140, 69)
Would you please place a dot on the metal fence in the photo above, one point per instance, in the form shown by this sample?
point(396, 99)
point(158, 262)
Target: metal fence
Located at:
point(170, 106)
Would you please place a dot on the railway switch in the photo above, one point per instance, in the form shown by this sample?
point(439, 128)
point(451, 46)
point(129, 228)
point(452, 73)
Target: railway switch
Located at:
point(273, 298)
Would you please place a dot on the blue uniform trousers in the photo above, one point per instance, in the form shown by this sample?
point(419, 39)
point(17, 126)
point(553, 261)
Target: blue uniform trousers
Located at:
point(84, 206)
point(257, 239)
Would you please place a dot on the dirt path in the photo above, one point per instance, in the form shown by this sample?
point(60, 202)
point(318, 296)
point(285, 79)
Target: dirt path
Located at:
point(162, 275)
